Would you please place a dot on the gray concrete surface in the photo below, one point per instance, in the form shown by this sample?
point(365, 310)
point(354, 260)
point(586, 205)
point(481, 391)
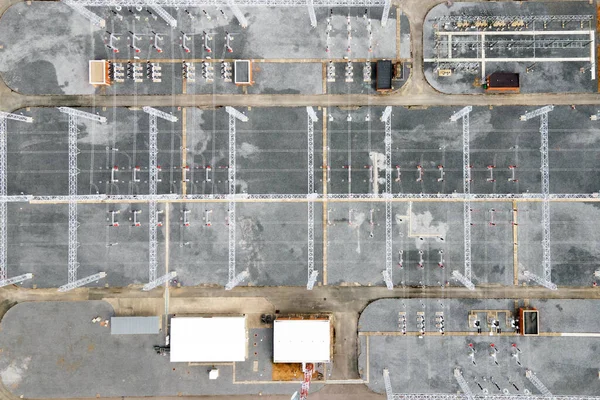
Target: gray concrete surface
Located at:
point(425, 365)
point(76, 358)
point(29, 29)
point(542, 76)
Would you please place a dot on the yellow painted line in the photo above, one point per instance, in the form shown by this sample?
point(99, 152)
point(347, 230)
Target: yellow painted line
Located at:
point(398, 12)
point(183, 148)
point(325, 207)
point(515, 246)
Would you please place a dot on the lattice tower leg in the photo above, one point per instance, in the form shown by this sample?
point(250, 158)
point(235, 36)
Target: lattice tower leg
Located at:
point(545, 167)
point(73, 265)
point(388, 384)
point(3, 214)
point(232, 184)
point(153, 179)
point(388, 202)
point(311, 13)
point(239, 15)
point(467, 191)
point(386, 13)
point(311, 205)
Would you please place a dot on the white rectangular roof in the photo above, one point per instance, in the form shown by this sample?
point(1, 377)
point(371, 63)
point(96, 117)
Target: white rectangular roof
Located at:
point(296, 341)
point(208, 339)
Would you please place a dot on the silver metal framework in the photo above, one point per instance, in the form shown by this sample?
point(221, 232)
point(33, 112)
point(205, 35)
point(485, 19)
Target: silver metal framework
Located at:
point(93, 18)
point(444, 396)
point(539, 280)
point(513, 18)
point(545, 172)
point(82, 282)
point(311, 119)
point(159, 281)
point(388, 384)
point(153, 114)
point(386, 12)
point(172, 22)
point(223, 3)
point(73, 265)
point(386, 118)
point(463, 384)
point(537, 383)
point(464, 113)
point(4, 281)
point(232, 278)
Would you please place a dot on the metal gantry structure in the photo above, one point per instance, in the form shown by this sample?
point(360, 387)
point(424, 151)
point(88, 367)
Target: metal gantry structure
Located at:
point(233, 279)
point(464, 386)
point(546, 279)
point(312, 274)
point(4, 280)
point(234, 6)
point(386, 118)
point(537, 383)
point(388, 384)
point(73, 264)
point(153, 115)
point(445, 396)
point(465, 277)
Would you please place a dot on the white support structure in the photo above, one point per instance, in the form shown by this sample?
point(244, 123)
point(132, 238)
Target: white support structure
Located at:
point(73, 265)
point(172, 22)
point(15, 279)
point(233, 280)
point(153, 114)
point(311, 13)
point(386, 118)
point(239, 278)
point(82, 282)
point(539, 280)
point(463, 279)
point(159, 281)
point(386, 12)
point(224, 3)
point(463, 384)
point(538, 384)
point(312, 274)
point(239, 15)
point(3, 195)
point(388, 384)
point(447, 396)
point(545, 172)
point(464, 113)
point(93, 18)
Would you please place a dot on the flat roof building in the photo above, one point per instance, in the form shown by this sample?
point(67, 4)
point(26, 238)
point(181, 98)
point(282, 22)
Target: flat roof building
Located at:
point(242, 72)
point(98, 73)
point(302, 340)
point(208, 339)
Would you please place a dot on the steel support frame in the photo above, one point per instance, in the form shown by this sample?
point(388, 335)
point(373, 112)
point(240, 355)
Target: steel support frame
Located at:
point(388, 272)
point(3, 207)
point(224, 3)
point(72, 263)
point(93, 18)
point(388, 384)
point(386, 12)
point(152, 217)
point(168, 18)
point(312, 274)
point(239, 15)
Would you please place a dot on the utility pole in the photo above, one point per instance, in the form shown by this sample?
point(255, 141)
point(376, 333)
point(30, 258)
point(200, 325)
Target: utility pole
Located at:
point(4, 280)
point(386, 118)
point(465, 278)
point(153, 115)
point(546, 279)
point(233, 279)
point(73, 265)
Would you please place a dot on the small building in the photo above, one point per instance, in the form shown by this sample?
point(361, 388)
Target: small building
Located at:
point(208, 339)
point(300, 340)
point(384, 73)
point(242, 72)
point(529, 323)
point(134, 325)
point(98, 74)
point(503, 82)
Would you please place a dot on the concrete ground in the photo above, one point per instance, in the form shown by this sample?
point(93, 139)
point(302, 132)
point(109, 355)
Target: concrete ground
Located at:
point(543, 77)
point(76, 358)
point(566, 365)
point(33, 46)
point(272, 158)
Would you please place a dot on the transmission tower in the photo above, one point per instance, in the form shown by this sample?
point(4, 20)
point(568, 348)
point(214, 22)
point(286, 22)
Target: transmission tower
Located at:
point(4, 280)
point(312, 274)
point(465, 278)
point(233, 280)
point(386, 118)
point(172, 22)
point(93, 18)
point(159, 281)
point(239, 15)
point(538, 384)
point(463, 384)
point(388, 384)
point(74, 115)
point(311, 13)
point(545, 171)
point(153, 115)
